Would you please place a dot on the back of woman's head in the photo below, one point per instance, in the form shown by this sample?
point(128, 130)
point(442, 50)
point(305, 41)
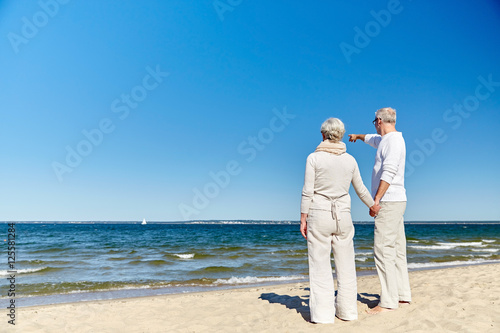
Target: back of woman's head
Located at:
point(333, 129)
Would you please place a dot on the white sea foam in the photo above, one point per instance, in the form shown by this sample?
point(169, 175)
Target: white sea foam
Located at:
point(364, 253)
point(482, 255)
point(486, 250)
point(21, 271)
point(431, 247)
point(451, 263)
point(134, 287)
point(184, 256)
point(254, 279)
point(489, 240)
point(362, 258)
point(446, 246)
point(474, 244)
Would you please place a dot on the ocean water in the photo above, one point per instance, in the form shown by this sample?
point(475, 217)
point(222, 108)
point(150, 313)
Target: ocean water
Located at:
point(60, 262)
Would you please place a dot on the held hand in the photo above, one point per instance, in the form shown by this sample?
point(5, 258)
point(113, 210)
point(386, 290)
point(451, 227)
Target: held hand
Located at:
point(353, 137)
point(374, 210)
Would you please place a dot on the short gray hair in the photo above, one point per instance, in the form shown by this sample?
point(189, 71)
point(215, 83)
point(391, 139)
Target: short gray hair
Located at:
point(333, 129)
point(387, 115)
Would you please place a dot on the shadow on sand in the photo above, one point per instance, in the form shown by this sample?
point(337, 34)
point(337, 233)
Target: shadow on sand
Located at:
point(371, 300)
point(297, 303)
point(301, 304)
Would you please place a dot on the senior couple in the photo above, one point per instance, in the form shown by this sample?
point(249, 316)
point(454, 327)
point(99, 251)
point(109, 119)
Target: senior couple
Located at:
point(326, 222)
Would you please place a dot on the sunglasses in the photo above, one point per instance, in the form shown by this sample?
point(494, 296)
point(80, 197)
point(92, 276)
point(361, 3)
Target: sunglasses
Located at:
point(375, 121)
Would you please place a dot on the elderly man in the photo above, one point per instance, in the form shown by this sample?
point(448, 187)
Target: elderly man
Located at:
point(389, 192)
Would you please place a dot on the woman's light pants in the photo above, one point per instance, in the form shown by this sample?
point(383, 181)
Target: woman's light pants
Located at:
point(323, 235)
point(390, 254)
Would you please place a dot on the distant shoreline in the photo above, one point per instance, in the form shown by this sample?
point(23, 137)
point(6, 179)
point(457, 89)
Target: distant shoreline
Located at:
point(235, 222)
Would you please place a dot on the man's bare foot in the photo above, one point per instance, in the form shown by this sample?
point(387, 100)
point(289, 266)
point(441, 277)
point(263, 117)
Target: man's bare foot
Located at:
point(378, 309)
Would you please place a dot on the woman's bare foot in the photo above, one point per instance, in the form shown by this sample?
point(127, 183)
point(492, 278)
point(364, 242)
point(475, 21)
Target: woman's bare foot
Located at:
point(378, 309)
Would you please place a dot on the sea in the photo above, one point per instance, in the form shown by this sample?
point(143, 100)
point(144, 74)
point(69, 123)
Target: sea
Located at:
point(58, 262)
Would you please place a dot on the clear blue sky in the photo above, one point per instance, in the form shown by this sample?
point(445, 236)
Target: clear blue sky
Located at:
point(172, 92)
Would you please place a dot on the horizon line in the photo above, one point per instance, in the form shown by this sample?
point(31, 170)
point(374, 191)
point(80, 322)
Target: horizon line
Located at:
point(225, 220)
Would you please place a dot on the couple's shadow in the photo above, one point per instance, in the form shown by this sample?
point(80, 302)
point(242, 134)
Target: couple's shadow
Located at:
point(301, 304)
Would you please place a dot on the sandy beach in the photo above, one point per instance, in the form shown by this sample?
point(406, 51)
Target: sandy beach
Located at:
point(462, 299)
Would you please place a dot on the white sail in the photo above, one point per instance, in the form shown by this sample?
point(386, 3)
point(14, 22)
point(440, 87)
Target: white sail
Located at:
point(144, 221)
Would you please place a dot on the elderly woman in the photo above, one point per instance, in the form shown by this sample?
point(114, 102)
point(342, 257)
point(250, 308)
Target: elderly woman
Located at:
point(326, 223)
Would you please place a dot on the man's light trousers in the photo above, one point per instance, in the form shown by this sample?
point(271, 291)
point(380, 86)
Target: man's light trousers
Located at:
point(390, 254)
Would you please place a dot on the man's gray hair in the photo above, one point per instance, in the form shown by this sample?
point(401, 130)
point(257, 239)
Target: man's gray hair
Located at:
point(387, 115)
point(333, 129)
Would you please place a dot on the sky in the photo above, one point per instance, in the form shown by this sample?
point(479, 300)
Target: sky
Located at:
point(207, 110)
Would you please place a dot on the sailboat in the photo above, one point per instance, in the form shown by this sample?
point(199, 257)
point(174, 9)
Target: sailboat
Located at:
point(144, 221)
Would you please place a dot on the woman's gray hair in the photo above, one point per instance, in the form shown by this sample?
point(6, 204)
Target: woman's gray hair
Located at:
point(387, 115)
point(333, 129)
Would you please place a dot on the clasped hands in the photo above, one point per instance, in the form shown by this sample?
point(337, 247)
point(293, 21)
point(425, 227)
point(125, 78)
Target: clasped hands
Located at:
point(374, 209)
